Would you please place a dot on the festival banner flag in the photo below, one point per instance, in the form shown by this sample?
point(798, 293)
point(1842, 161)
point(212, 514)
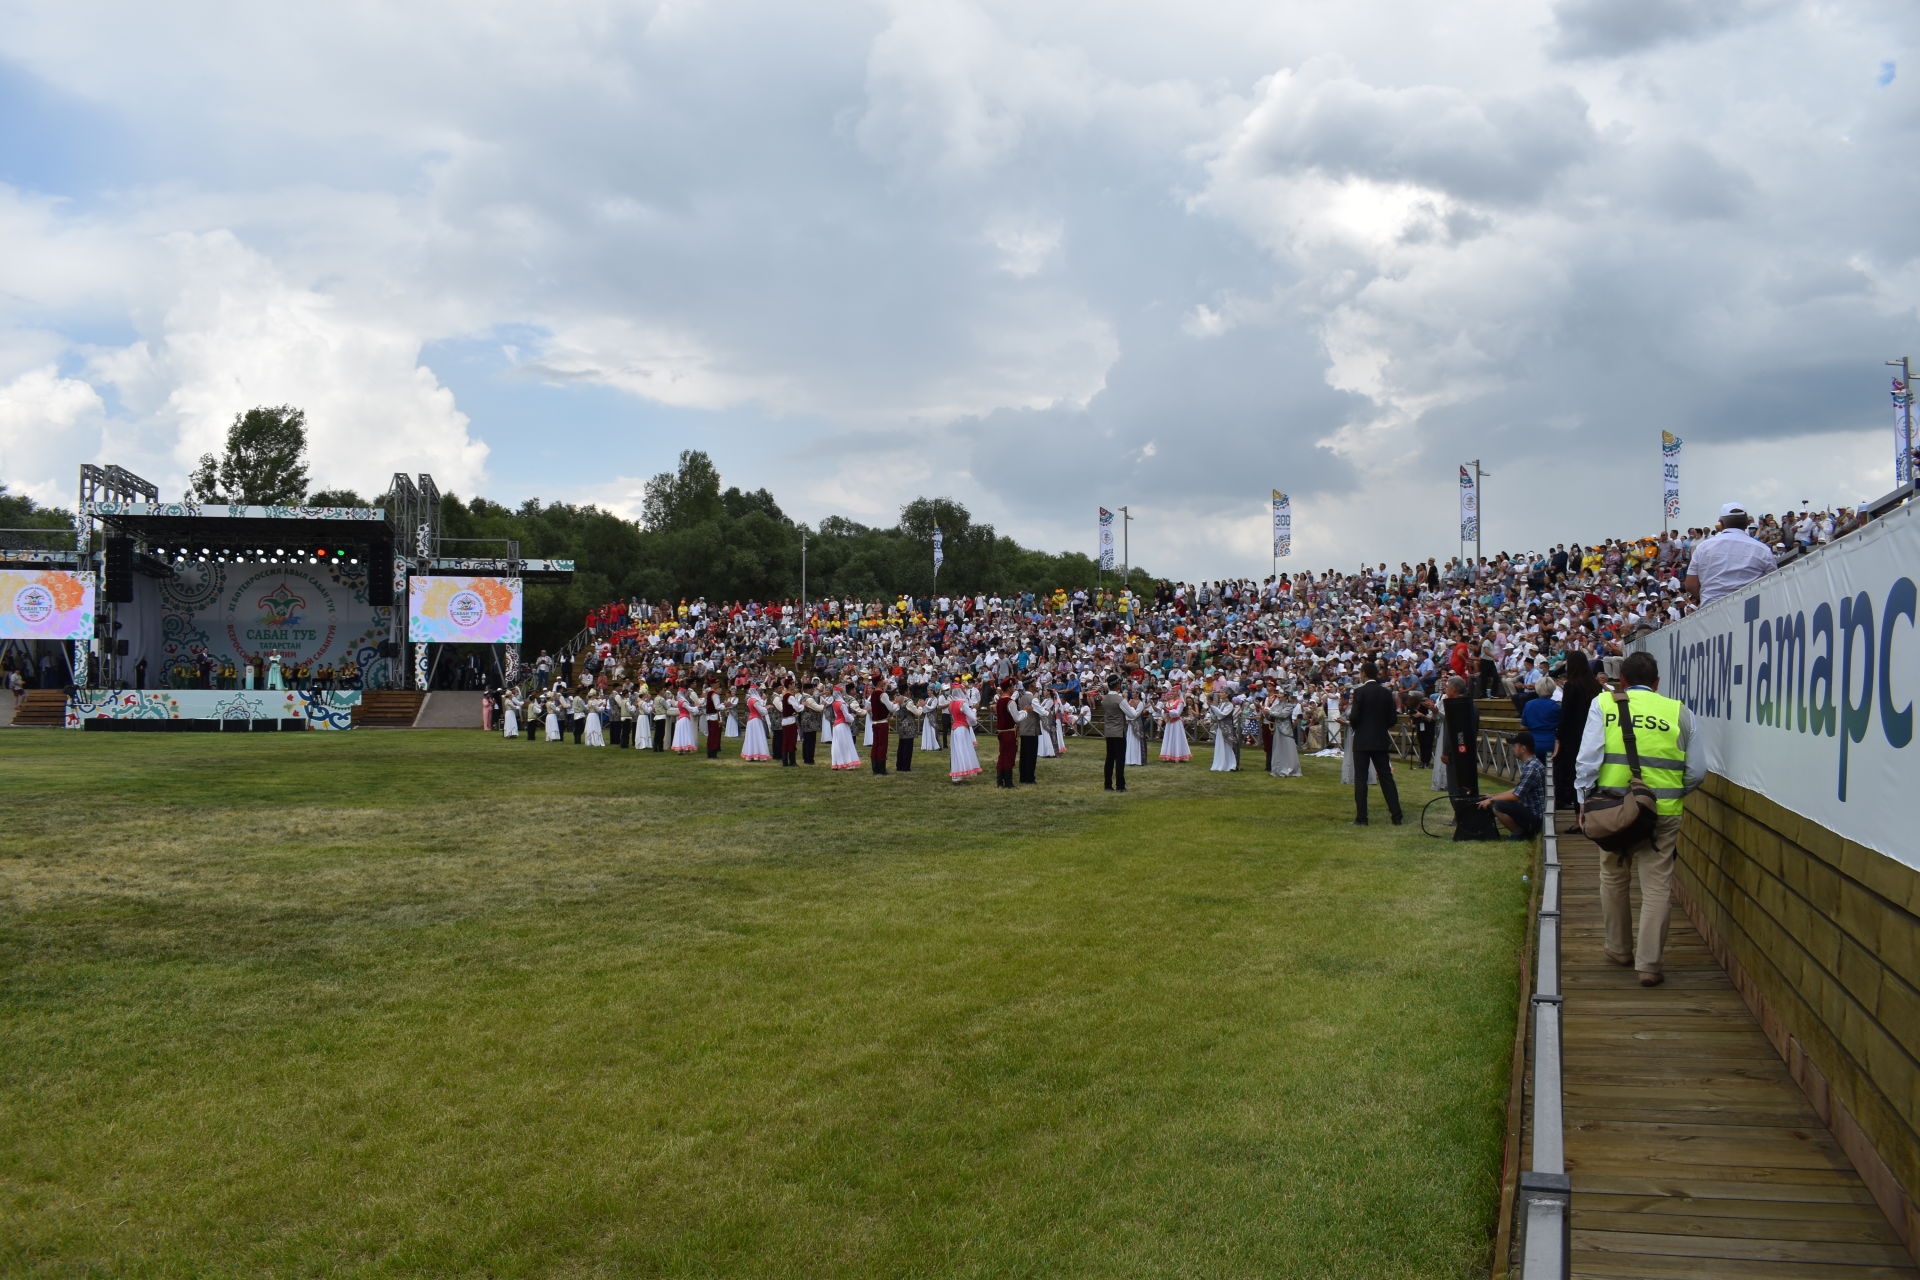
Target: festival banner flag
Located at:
point(939, 549)
point(1670, 467)
point(1469, 506)
point(1902, 432)
point(1282, 524)
point(1106, 540)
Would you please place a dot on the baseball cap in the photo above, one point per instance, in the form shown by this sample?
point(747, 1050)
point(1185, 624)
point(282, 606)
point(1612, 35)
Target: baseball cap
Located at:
point(1733, 509)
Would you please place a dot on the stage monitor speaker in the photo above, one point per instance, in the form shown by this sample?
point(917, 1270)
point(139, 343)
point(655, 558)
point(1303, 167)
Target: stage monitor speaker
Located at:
point(380, 581)
point(118, 588)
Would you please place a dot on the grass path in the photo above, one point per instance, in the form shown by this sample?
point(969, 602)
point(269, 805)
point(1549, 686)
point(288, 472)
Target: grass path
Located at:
point(385, 1004)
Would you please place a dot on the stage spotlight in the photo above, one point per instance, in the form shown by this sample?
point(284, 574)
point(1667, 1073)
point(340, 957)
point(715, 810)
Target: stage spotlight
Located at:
point(319, 551)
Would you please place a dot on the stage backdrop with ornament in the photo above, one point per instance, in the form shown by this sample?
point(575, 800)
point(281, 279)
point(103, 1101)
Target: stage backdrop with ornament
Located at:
point(315, 615)
point(45, 604)
point(464, 610)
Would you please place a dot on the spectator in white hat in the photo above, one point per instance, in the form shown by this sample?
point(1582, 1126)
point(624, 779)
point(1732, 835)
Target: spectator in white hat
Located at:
point(1728, 560)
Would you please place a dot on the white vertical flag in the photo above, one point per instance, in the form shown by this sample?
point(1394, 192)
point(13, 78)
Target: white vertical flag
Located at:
point(939, 550)
point(1106, 540)
point(1282, 524)
point(1902, 432)
point(1670, 471)
point(1469, 506)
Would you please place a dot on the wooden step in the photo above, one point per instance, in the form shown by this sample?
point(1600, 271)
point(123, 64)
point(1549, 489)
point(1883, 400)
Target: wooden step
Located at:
point(41, 709)
point(388, 709)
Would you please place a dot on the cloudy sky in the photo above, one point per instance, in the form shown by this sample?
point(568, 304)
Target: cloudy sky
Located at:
point(1038, 255)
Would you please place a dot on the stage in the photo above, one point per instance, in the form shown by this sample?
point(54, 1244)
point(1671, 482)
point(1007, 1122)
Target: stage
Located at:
point(220, 709)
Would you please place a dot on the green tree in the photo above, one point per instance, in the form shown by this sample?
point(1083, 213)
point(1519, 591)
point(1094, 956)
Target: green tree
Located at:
point(17, 511)
point(336, 498)
point(265, 464)
point(683, 499)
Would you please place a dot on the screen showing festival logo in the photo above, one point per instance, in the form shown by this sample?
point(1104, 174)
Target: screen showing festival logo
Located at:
point(278, 612)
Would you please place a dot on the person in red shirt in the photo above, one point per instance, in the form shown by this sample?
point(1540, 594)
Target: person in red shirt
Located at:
point(1006, 723)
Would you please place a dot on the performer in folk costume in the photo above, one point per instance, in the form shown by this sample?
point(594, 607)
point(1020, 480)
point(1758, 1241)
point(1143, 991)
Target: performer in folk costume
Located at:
point(1226, 751)
point(555, 701)
point(1258, 698)
point(1006, 724)
point(929, 723)
point(812, 708)
point(577, 712)
point(845, 751)
point(733, 726)
point(880, 706)
point(1137, 728)
point(963, 761)
point(907, 715)
point(1173, 735)
point(866, 727)
point(756, 745)
point(787, 708)
point(1284, 713)
point(274, 678)
point(596, 718)
point(1047, 710)
point(662, 714)
point(685, 740)
point(716, 708)
point(510, 722)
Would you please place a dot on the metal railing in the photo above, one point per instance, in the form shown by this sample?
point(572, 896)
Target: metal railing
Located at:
point(1546, 1192)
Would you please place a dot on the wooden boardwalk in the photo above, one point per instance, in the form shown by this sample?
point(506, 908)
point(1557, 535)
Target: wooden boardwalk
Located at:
point(1692, 1151)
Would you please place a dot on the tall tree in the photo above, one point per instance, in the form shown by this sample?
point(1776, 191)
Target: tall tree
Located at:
point(265, 464)
point(683, 499)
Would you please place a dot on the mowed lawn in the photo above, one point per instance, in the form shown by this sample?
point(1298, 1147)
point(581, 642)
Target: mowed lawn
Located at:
point(405, 1004)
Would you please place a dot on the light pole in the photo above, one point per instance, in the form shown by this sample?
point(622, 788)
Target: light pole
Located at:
point(1479, 510)
point(1903, 461)
point(1126, 572)
point(803, 574)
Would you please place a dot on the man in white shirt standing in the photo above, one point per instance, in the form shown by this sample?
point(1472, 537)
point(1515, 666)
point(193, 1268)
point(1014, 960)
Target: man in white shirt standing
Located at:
point(1728, 560)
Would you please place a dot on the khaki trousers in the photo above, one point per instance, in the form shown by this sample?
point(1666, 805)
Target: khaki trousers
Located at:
point(1655, 862)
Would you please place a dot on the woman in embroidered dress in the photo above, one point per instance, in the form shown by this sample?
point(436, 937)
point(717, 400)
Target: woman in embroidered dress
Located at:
point(1137, 729)
point(845, 753)
point(756, 745)
point(963, 761)
point(733, 727)
point(685, 740)
point(510, 723)
point(1043, 706)
point(1226, 753)
point(1283, 711)
point(596, 720)
point(1173, 736)
point(930, 725)
point(554, 699)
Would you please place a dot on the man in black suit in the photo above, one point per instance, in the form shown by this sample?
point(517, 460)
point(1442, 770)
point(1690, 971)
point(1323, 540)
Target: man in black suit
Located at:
point(1370, 717)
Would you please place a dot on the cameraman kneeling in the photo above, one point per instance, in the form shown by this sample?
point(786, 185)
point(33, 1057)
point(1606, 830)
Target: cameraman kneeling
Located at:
point(1521, 810)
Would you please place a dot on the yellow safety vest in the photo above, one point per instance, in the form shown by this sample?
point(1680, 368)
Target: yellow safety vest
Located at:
point(1656, 735)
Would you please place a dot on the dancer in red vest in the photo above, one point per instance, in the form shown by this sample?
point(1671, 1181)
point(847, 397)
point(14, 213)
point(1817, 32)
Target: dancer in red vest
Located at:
point(880, 716)
point(716, 717)
point(1006, 723)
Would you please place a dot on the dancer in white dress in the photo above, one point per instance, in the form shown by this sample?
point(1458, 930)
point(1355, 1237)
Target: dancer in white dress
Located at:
point(756, 745)
point(596, 719)
point(733, 727)
point(553, 714)
point(1226, 754)
point(1137, 730)
point(1045, 708)
point(845, 753)
point(510, 724)
point(685, 740)
point(963, 761)
point(1284, 714)
point(1173, 735)
point(929, 728)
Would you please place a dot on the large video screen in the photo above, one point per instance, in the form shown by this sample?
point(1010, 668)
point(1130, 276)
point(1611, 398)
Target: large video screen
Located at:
point(46, 604)
point(464, 610)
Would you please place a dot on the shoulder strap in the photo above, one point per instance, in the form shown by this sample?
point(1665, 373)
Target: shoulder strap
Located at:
point(1626, 731)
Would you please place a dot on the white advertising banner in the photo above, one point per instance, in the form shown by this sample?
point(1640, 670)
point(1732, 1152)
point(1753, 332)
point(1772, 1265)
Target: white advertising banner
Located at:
point(1803, 684)
point(1670, 475)
point(1282, 524)
point(1469, 506)
point(1106, 540)
point(1903, 441)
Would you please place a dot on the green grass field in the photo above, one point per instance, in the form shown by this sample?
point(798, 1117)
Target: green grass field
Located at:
point(404, 1004)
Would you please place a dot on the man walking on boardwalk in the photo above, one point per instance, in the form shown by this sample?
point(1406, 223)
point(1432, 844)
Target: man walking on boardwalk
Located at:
point(1663, 739)
point(1370, 717)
